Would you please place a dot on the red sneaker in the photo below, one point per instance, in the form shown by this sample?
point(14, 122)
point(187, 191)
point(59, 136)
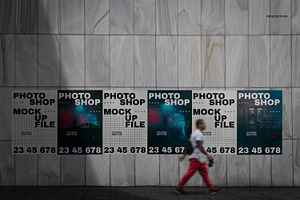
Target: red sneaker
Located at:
point(214, 190)
point(180, 191)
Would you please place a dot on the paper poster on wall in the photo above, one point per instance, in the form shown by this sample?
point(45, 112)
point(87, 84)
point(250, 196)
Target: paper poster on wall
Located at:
point(34, 122)
point(125, 122)
point(259, 122)
point(218, 110)
point(79, 121)
point(169, 120)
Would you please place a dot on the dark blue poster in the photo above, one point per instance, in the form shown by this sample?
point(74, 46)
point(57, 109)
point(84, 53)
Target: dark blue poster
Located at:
point(79, 122)
point(169, 121)
point(259, 122)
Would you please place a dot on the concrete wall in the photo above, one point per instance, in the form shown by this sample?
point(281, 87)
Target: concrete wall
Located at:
point(143, 44)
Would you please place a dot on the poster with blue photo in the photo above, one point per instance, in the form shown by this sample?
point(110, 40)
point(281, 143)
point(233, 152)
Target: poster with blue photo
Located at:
point(80, 122)
point(169, 120)
point(259, 120)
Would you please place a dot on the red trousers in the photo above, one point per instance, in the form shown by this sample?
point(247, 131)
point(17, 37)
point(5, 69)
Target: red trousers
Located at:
point(201, 168)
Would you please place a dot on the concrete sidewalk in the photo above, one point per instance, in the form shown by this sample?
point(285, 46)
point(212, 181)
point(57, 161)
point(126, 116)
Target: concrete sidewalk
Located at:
point(147, 193)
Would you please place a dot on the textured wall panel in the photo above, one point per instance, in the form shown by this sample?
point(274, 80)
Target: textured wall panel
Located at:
point(121, 16)
point(189, 17)
point(122, 170)
point(72, 170)
point(295, 17)
point(26, 170)
point(6, 114)
point(237, 61)
point(166, 61)
point(296, 162)
point(238, 170)
point(121, 61)
point(72, 60)
point(97, 60)
point(26, 60)
point(144, 16)
point(280, 61)
point(48, 170)
point(259, 61)
point(236, 17)
point(166, 17)
point(296, 112)
point(49, 60)
point(260, 170)
point(146, 170)
point(213, 61)
point(6, 164)
point(189, 61)
point(169, 170)
point(7, 16)
point(217, 173)
point(49, 16)
point(97, 170)
point(282, 165)
point(72, 16)
point(280, 25)
point(26, 16)
point(7, 60)
point(213, 14)
point(258, 22)
point(97, 17)
point(287, 122)
point(295, 61)
point(144, 61)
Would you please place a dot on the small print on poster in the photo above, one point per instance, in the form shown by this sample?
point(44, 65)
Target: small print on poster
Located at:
point(218, 110)
point(125, 122)
point(169, 121)
point(79, 122)
point(259, 122)
point(34, 122)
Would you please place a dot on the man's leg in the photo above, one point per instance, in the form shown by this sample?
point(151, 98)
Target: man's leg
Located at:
point(204, 173)
point(194, 165)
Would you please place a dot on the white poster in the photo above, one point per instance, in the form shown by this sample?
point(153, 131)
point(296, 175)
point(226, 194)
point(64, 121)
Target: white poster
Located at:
point(219, 110)
point(34, 122)
point(124, 122)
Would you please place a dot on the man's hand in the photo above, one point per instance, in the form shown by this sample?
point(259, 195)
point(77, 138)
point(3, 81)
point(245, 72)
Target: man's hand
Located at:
point(209, 157)
point(181, 158)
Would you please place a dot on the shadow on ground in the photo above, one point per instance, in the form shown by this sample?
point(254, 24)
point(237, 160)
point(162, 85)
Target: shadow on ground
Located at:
point(145, 193)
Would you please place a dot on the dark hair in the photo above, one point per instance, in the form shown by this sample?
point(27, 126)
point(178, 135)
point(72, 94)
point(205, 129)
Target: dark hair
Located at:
point(199, 122)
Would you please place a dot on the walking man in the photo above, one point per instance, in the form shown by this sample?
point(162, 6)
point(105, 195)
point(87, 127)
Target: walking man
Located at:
point(197, 159)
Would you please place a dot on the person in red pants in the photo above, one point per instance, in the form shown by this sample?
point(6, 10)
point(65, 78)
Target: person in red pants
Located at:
point(197, 159)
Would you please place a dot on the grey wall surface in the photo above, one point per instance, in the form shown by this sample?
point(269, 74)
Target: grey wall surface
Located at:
point(143, 44)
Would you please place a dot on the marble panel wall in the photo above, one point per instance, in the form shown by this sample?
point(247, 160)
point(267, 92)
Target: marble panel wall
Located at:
point(150, 44)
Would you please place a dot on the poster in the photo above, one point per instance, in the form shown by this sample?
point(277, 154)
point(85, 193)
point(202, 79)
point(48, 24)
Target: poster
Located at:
point(169, 120)
point(219, 110)
point(259, 122)
point(34, 122)
point(80, 122)
point(145, 121)
point(125, 122)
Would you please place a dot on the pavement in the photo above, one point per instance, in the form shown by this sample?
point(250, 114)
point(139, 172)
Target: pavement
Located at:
point(147, 193)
